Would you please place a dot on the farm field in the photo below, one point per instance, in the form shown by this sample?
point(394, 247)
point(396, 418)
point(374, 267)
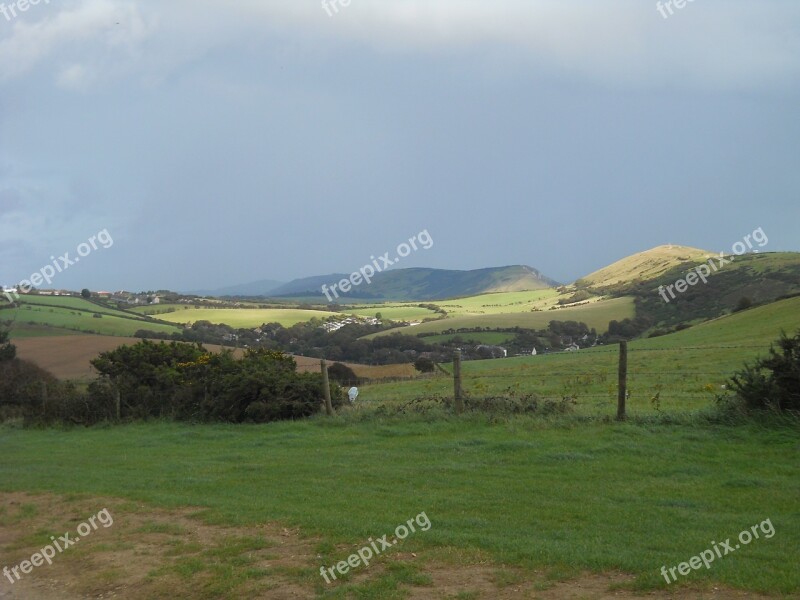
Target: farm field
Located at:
point(685, 369)
point(80, 319)
point(245, 317)
point(393, 312)
point(71, 302)
point(595, 314)
point(507, 502)
point(68, 357)
point(499, 302)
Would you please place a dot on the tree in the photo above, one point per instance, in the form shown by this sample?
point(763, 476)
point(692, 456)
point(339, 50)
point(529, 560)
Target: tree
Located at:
point(342, 374)
point(85, 293)
point(8, 351)
point(424, 365)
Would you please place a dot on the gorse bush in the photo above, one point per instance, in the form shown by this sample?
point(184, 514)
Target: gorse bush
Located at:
point(183, 381)
point(174, 381)
point(772, 382)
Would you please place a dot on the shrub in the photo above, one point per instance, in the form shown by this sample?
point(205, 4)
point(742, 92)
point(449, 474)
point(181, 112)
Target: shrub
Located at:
point(29, 392)
point(424, 365)
point(7, 350)
point(184, 381)
point(342, 374)
point(772, 382)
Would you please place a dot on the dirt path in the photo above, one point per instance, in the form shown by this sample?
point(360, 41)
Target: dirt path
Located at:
point(155, 553)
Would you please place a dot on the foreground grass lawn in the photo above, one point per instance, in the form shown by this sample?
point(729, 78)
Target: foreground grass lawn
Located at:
point(564, 496)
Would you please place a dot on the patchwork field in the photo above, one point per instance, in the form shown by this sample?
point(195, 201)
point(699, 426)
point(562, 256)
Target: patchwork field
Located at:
point(75, 314)
point(595, 314)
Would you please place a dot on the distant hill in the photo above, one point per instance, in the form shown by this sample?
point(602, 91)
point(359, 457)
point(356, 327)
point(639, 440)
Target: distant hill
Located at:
point(263, 287)
point(643, 266)
point(747, 279)
point(425, 284)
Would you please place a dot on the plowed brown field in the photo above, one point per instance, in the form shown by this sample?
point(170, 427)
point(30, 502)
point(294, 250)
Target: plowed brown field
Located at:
point(68, 357)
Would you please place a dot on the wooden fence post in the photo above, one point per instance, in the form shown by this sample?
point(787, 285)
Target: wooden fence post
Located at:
point(459, 401)
point(623, 380)
point(117, 402)
point(44, 399)
point(327, 388)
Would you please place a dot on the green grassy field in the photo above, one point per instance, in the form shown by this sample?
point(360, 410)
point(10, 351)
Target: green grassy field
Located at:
point(159, 309)
point(71, 302)
point(245, 317)
point(523, 493)
point(54, 315)
point(393, 312)
point(686, 369)
point(596, 314)
point(499, 302)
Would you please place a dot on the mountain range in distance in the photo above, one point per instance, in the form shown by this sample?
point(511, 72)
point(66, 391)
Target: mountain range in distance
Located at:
point(421, 284)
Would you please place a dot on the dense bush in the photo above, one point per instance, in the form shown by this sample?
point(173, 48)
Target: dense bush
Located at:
point(424, 365)
point(184, 381)
point(7, 350)
point(343, 375)
point(772, 382)
point(30, 393)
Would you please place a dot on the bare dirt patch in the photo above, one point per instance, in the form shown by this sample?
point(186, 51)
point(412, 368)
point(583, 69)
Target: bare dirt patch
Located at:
point(146, 553)
point(158, 553)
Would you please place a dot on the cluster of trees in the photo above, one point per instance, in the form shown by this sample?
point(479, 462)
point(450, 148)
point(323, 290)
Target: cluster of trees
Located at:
point(627, 329)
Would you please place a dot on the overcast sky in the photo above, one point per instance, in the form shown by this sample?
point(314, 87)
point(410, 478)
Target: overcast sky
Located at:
point(226, 142)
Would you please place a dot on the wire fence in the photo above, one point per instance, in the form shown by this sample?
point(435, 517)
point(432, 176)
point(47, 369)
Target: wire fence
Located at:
point(669, 378)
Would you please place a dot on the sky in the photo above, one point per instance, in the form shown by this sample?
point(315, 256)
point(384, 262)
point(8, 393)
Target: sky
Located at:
point(218, 143)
